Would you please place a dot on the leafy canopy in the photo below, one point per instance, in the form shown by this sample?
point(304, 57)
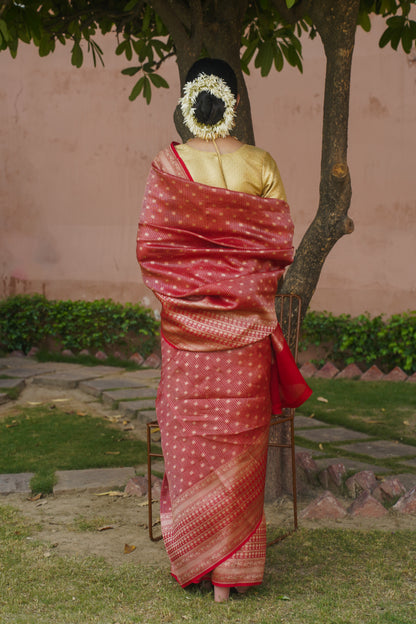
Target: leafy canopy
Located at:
point(267, 39)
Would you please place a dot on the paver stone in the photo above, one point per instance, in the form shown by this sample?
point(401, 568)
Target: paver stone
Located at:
point(388, 490)
point(331, 434)
point(325, 506)
point(367, 506)
point(397, 374)
point(308, 369)
point(363, 481)
point(331, 478)
point(407, 503)
point(350, 372)
point(381, 449)
point(328, 371)
point(372, 374)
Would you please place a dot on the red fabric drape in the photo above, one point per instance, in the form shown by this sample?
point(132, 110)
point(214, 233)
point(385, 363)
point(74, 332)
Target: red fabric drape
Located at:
point(213, 257)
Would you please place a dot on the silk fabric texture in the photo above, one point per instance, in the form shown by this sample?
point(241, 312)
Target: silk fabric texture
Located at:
point(213, 258)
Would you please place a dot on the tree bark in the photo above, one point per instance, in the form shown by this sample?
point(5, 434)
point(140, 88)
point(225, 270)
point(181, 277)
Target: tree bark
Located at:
point(335, 21)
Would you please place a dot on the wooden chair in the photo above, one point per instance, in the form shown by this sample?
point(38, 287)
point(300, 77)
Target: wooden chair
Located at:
point(282, 431)
point(282, 427)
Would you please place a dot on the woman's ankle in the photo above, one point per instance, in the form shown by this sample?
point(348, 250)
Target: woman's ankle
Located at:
point(221, 594)
point(241, 589)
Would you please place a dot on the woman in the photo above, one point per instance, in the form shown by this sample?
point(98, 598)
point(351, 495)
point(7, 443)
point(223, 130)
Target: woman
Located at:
point(215, 235)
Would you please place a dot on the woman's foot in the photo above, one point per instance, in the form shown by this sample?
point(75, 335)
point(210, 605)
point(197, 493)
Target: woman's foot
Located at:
point(205, 585)
point(241, 589)
point(221, 594)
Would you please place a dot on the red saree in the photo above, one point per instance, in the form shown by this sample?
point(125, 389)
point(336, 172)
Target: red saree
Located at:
point(213, 258)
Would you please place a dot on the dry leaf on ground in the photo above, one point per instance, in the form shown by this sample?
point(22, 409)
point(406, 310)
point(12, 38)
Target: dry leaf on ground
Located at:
point(110, 493)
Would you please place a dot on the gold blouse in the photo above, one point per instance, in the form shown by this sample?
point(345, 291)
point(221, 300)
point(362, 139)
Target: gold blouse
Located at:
point(248, 169)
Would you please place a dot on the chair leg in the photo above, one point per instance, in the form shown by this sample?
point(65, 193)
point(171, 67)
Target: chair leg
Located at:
point(149, 479)
point(294, 485)
point(150, 455)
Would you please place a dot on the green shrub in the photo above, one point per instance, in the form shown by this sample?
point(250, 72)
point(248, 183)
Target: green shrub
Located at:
point(24, 322)
point(364, 340)
point(31, 320)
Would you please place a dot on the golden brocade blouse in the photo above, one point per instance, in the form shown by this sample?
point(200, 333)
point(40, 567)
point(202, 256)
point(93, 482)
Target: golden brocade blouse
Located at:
point(248, 169)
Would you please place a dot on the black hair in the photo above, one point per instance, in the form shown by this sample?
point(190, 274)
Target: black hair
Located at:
point(208, 108)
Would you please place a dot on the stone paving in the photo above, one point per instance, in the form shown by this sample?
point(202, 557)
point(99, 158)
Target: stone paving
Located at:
point(133, 395)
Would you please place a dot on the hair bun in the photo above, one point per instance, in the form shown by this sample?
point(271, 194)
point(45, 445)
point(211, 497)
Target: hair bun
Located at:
point(208, 108)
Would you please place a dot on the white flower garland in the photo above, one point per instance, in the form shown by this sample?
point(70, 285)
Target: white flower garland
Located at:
point(217, 87)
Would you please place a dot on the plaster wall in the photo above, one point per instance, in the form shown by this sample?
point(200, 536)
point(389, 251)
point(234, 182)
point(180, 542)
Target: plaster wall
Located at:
point(75, 152)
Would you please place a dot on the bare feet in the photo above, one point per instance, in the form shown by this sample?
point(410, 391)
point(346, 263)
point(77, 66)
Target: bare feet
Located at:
point(241, 589)
point(205, 585)
point(221, 594)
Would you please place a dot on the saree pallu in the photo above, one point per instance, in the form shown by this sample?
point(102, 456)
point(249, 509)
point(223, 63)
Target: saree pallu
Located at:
point(213, 258)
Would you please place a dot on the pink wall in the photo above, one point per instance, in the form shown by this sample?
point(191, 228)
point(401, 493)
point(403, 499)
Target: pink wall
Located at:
point(75, 153)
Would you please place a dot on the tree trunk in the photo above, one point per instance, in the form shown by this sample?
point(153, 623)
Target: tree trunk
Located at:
point(335, 22)
point(215, 30)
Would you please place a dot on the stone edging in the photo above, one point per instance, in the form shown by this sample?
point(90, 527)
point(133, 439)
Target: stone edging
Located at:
point(330, 371)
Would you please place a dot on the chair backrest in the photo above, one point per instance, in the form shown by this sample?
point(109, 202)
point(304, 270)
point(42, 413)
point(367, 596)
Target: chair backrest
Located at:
point(288, 311)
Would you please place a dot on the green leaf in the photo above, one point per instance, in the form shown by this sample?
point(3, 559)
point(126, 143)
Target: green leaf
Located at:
point(13, 47)
point(137, 45)
point(120, 48)
point(46, 45)
point(128, 50)
point(160, 27)
point(147, 90)
point(4, 30)
point(264, 58)
point(278, 59)
point(25, 35)
point(407, 40)
point(290, 3)
point(159, 46)
point(33, 23)
point(249, 51)
point(158, 81)
point(130, 71)
point(397, 21)
point(146, 19)
point(395, 38)
point(364, 21)
point(77, 55)
point(385, 37)
point(136, 89)
point(130, 5)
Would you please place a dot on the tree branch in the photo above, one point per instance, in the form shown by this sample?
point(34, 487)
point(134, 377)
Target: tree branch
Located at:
point(169, 13)
point(293, 15)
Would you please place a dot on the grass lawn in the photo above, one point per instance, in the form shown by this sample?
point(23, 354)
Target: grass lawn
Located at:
point(382, 410)
point(314, 577)
point(42, 440)
point(385, 410)
point(319, 576)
